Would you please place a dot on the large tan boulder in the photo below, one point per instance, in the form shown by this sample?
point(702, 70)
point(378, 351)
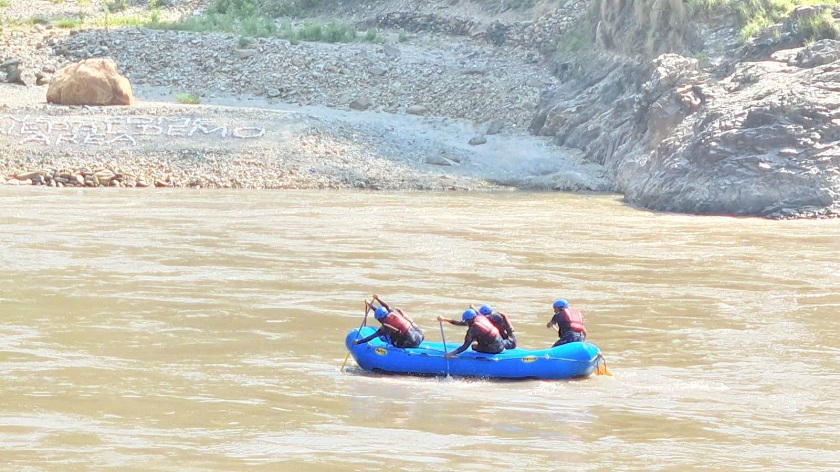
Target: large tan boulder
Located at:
point(93, 81)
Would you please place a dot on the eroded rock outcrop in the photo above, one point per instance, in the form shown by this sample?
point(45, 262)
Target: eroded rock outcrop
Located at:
point(765, 144)
point(94, 82)
point(755, 137)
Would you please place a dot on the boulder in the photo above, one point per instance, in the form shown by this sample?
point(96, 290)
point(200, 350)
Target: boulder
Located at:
point(94, 82)
point(11, 71)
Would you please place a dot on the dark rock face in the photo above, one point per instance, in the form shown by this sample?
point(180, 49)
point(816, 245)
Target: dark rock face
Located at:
point(755, 148)
point(760, 137)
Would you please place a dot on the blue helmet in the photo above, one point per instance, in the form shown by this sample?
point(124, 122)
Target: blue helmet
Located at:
point(468, 315)
point(485, 310)
point(561, 303)
point(380, 313)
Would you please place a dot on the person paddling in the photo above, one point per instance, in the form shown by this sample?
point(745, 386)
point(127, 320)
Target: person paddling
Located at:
point(569, 323)
point(499, 320)
point(397, 327)
point(481, 335)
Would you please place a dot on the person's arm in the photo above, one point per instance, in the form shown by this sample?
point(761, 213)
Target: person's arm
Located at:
point(384, 305)
point(507, 321)
point(379, 332)
point(452, 322)
point(552, 322)
point(468, 339)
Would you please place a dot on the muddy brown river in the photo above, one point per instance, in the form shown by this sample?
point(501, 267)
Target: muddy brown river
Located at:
point(203, 330)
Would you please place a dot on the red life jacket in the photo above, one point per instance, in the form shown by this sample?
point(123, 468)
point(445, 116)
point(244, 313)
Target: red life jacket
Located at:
point(485, 326)
point(397, 322)
point(575, 319)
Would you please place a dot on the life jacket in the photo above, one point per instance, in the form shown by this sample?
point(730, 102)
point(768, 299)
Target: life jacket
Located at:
point(575, 319)
point(485, 326)
point(501, 322)
point(397, 322)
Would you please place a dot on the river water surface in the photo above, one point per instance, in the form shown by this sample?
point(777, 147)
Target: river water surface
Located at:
point(203, 330)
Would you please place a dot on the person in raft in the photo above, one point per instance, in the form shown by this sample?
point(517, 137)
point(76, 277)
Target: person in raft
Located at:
point(498, 319)
point(481, 335)
point(569, 323)
point(397, 327)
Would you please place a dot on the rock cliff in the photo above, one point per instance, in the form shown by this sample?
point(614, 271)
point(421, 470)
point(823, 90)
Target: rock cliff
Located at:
point(747, 130)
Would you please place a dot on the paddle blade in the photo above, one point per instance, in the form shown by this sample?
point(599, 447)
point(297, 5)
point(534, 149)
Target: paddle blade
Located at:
point(602, 370)
point(602, 367)
point(344, 363)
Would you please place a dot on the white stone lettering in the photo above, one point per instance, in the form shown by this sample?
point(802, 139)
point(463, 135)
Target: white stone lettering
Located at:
point(123, 138)
point(15, 121)
point(175, 121)
point(97, 139)
point(203, 125)
point(68, 138)
point(52, 127)
point(36, 138)
point(83, 128)
point(150, 130)
point(29, 128)
point(117, 130)
point(139, 120)
point(176, 130)
point(248, 132)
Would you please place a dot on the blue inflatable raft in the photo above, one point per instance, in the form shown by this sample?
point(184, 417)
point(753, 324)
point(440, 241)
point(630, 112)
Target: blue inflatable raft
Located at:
point(562, 362)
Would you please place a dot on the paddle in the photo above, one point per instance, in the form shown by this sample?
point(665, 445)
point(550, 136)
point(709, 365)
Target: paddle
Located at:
point(364, 322)
point(602, 367)
point(443, 338)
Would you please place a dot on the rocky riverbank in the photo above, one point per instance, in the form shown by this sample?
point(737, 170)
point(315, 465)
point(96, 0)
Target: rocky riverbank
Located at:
point(436, 112)
point(753, 130)
point(450, 95)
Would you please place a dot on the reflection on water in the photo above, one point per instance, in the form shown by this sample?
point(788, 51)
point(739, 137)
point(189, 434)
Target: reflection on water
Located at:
point(204, 330)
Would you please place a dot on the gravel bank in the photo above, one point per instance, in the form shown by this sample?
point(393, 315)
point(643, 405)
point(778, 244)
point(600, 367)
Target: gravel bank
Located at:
point(435, 113)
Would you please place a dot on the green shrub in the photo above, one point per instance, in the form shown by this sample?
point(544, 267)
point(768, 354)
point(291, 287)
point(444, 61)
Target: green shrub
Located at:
point(753, 16)
point(257, 18)
point(234, 7)
point(188, 98)
point(67, 23)
point(578, 38)
point(116, 5)
point(819, 27)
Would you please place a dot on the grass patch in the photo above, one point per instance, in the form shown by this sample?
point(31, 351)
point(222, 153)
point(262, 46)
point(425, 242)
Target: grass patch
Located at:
point(68, 23)
point(188, 98)
point(5, 4)
point(116, 5)
point(123, 21)
point(332, 32)
point(754, 16)
point(259, 19)
point(578, 38)
point(819, 27)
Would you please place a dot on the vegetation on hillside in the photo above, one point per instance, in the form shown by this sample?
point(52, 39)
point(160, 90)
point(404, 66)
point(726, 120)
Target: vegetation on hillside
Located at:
point(652, 27)
point(270, 18)
point(753, 16)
